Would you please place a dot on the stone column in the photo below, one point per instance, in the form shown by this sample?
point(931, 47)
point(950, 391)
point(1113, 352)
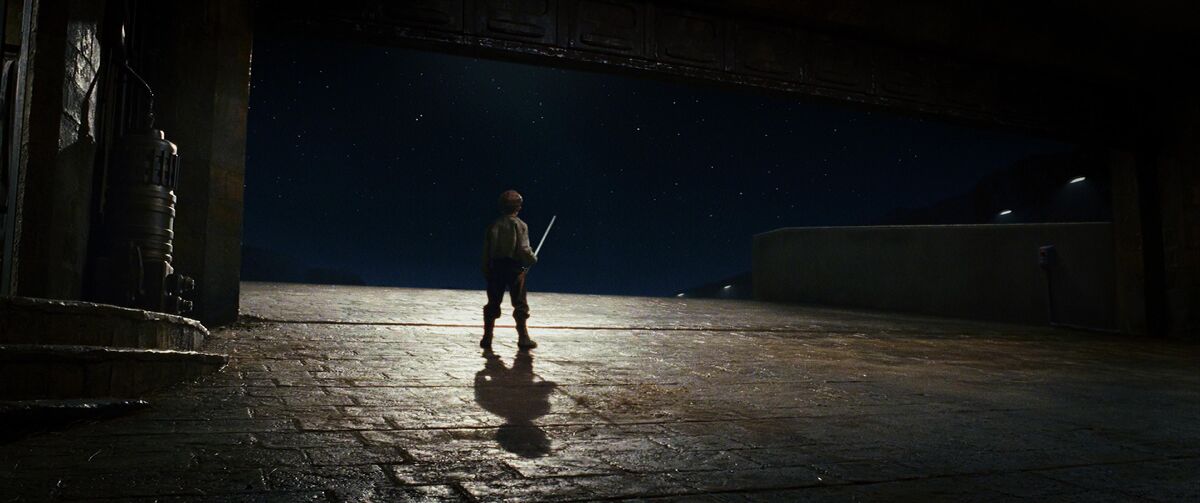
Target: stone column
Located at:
point(58, 148)
point(1179, 197)
point(1127, 243)
point(197, 58)
point(1156, 213)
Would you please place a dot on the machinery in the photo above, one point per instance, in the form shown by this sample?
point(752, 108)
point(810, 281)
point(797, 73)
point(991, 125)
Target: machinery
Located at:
point(134, 268)
point(138, 230)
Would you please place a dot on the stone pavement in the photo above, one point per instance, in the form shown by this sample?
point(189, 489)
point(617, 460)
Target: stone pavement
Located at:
point(354, 394)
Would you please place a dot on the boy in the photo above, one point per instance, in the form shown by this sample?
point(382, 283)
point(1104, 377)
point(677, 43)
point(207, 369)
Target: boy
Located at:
point(506, 258)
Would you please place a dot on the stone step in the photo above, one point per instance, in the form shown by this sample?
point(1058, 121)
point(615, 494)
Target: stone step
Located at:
point(25, 320)
point(24, 417)
point(36, 371)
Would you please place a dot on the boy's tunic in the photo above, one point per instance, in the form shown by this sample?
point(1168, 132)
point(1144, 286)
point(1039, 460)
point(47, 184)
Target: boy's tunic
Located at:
point(506, 254)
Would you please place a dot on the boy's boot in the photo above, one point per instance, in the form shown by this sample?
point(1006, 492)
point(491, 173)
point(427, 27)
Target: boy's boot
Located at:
point(523, 340)
point(489, 326)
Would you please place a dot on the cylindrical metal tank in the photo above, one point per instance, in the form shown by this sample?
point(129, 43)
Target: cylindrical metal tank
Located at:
point(139, 218)
point(141, 194)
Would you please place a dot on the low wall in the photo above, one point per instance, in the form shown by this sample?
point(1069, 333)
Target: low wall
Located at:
point(987, 272)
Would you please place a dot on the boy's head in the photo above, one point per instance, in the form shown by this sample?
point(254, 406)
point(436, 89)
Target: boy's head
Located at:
point(510, 202)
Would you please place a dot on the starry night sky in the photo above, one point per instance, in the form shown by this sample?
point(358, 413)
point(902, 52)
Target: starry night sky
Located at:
point(387, 162)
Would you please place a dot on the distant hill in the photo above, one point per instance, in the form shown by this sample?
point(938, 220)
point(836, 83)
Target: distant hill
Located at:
point(261, 264)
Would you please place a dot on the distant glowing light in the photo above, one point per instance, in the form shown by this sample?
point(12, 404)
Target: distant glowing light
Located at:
point(679, 295)
point(728, 287)
point(1005, 212)
point(1079, 179)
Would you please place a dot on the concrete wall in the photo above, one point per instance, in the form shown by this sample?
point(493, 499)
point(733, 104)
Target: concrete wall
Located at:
point(986, 272)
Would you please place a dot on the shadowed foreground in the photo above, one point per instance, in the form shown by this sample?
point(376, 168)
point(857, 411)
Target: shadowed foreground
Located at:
point(354, 393)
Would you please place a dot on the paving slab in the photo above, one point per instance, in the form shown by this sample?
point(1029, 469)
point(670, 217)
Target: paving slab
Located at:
point(381, 394)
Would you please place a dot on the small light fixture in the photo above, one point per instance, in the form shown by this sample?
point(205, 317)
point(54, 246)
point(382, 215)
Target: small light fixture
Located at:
point(1078, 179)
point(1005, 212)
point(728, 287)
point(679, 295)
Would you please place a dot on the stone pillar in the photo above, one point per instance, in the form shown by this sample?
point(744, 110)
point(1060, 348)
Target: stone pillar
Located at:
point(196, 55)
point(1179, 196)
point(1128, 243)
point(59, 148)
point(1156, 217)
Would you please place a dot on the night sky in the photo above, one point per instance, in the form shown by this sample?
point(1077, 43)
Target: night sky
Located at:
point(386, 163)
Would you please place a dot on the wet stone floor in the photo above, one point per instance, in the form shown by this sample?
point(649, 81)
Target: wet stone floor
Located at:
point(382, 394)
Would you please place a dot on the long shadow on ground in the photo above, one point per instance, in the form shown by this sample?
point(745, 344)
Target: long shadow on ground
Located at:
point(512, 394)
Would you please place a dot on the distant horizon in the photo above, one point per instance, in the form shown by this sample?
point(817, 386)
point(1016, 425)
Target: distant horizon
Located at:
point(480, 288)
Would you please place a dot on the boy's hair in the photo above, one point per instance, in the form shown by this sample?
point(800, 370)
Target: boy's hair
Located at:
point(510, 202)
